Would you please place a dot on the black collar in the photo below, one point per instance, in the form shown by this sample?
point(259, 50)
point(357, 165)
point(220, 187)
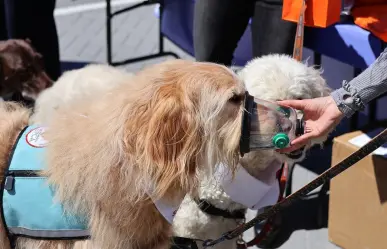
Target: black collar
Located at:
point(183, 243)
point(208, 208)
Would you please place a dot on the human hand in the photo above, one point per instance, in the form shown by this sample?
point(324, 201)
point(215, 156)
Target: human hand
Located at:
point(321, 115)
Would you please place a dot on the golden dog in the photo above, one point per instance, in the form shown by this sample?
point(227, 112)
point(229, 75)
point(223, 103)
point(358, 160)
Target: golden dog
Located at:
point(110, 156)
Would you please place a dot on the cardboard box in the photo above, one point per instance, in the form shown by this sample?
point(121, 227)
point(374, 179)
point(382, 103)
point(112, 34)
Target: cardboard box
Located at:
point(358, 199)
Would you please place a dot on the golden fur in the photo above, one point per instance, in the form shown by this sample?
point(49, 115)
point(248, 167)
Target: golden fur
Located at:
point(151, 137)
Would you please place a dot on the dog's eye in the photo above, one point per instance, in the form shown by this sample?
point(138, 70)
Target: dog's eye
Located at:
point(236, 99)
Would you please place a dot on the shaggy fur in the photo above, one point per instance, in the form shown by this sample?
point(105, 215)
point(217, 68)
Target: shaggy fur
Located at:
point(22, 72)
point(76, 84)
point(273, 77)
point(151, 137)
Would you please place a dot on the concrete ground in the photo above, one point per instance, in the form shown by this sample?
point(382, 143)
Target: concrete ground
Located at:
point(81, 28)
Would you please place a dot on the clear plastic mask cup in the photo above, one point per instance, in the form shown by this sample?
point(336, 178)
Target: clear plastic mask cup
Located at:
point(272, 125)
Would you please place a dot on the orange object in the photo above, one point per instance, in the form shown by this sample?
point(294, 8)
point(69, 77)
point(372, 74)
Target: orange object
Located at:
point(319, 13)
point(299, 39)
point(372, 17)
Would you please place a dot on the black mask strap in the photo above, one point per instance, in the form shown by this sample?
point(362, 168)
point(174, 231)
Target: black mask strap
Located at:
point(300, 128)
point(244, 145)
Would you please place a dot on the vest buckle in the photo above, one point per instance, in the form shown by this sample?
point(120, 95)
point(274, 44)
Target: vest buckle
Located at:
point(9, 183)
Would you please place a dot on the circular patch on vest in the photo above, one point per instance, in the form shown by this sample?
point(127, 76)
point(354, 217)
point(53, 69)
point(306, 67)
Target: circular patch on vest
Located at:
point(35, 137)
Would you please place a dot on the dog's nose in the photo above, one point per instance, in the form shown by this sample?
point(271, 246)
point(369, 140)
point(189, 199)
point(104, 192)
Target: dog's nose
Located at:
point(296, 154)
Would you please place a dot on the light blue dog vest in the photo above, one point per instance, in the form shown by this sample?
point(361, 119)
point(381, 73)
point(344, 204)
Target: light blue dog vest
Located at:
point(29, 208)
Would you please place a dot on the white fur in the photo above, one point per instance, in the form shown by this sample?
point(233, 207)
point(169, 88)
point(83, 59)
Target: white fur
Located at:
point(273, 77)
point(279, 77)
point(75, 84)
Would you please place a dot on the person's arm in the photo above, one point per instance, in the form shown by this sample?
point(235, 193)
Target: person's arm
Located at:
point(368, 85)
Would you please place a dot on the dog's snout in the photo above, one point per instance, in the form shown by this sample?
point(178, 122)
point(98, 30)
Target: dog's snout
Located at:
point(286, 128)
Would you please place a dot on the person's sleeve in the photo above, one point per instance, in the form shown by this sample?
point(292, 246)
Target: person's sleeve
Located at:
point(368, 85)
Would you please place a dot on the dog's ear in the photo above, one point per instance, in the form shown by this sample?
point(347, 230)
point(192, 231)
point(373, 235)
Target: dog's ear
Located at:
point(168, 133)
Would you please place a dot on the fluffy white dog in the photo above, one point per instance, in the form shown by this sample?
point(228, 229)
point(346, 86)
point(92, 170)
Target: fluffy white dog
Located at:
point(273, 77)
point(74, 84)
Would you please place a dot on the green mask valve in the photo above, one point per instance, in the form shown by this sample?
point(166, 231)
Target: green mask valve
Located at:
point(281, 140)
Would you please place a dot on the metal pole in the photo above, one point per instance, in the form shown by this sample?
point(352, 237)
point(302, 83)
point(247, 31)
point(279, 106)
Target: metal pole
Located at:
point(108, 32)
point(161, 37)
